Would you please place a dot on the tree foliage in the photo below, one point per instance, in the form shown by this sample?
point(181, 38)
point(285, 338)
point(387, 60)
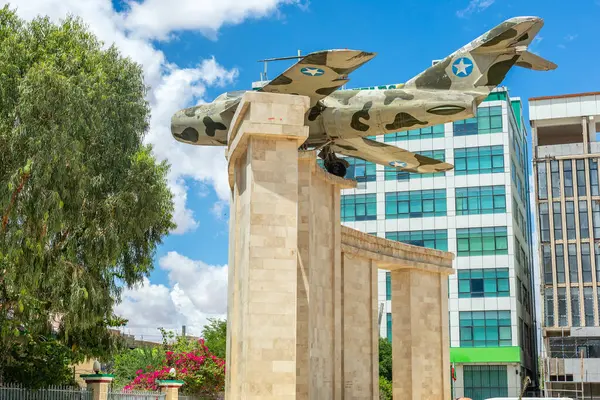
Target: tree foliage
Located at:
point(83, 202)
point(385, 389)
point(128, 363)
point(39, 363)
point(385, 359)
point(215, 336)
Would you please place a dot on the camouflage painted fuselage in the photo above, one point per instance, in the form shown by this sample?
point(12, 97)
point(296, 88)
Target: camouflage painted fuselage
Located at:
point(359, 113)
point(342, 114)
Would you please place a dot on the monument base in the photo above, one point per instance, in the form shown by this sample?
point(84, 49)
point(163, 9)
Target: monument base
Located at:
point(302, 300)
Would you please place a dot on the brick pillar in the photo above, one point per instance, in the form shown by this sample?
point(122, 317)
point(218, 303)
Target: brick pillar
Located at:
point(318, 340)
point(360, 334)
point(99, 384)
point(265, 134)
point(171, 388)
point(420, 345)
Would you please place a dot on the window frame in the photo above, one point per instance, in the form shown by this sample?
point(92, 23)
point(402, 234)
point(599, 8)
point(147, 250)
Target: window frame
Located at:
point(489, 277)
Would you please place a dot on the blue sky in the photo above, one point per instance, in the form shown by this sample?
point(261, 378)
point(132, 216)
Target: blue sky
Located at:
point(406, 35)
point(193, 50)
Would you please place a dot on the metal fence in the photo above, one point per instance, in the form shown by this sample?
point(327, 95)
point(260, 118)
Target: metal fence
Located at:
point(134, 395)
point(17, 392)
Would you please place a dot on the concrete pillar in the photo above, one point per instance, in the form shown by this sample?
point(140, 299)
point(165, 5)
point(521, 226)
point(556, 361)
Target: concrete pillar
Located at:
point(513, 379)
point(318, 340)
point(171, 388)
point(459, 383)
point(534, 140)
point(265, 134)
point(98, 384)
point(592, 128)
point(420, 345)
point(360, 334)
point(585, 134)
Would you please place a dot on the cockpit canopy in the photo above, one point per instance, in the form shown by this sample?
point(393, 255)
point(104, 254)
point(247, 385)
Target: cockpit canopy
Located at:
point(230, 95)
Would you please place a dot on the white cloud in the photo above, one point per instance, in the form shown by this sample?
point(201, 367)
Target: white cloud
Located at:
point(172, 87)
point(567, 39)
point(158, 18)
point(218, 210)
point(570, 37)
point(196, 291)
point(474, 6)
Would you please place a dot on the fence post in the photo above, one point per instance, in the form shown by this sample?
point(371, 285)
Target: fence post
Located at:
point(171, 388)
point(99, 384)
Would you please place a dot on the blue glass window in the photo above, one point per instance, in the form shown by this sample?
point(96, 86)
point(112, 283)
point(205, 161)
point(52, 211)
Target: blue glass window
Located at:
point(433, 239)
point(488, 120)
point(485, 329)
point(359, 207)
point(485, 381)
point(482, 241)
point(430, 132)
point(479, 160)
point(389, 327)
point(491, 282)
point(388, 285)
point(361, 170)
point(415, 204)
point(480, 200)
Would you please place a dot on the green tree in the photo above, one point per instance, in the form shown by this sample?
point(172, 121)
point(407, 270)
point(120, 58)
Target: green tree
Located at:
point(40, 362)
point(215, 336)
point(83, 202)
point(385, 359)
point(132, 362)
point(385, 389)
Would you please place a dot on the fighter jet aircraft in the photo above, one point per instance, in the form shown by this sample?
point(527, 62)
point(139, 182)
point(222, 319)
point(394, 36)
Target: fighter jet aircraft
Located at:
point(341, 120)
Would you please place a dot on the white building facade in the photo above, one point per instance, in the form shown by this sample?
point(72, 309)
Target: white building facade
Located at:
point(478, 211)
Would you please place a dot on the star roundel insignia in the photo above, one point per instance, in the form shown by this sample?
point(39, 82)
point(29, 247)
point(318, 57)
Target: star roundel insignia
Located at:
point(400, 164)
point(462, 67)
point(309, 71)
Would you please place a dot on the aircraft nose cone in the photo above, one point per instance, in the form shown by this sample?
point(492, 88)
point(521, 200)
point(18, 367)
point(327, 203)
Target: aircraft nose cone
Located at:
point(182, 127)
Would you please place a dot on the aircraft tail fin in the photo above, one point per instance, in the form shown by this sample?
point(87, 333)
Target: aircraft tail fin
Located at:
point(482, 64)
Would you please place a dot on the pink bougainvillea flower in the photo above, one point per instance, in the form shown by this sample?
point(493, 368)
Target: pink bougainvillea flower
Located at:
point(198, 368)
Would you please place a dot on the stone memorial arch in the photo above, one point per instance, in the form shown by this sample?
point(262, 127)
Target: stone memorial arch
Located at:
point(302, 302)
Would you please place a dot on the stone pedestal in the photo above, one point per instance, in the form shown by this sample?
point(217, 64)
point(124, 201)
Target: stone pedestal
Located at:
point(170, 388)
point(263, 262)
point(302, 301)
point(98, 384)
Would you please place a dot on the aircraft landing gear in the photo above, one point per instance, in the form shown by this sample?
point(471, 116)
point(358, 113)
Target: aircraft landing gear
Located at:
point(334, 165)
point(336, 168)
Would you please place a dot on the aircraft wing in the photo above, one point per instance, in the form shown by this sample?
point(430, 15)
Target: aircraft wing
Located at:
point(318, 74)
point(391, 156)
point(530, 60)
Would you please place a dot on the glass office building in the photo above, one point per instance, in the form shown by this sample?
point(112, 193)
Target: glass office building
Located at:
point(478, 211)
